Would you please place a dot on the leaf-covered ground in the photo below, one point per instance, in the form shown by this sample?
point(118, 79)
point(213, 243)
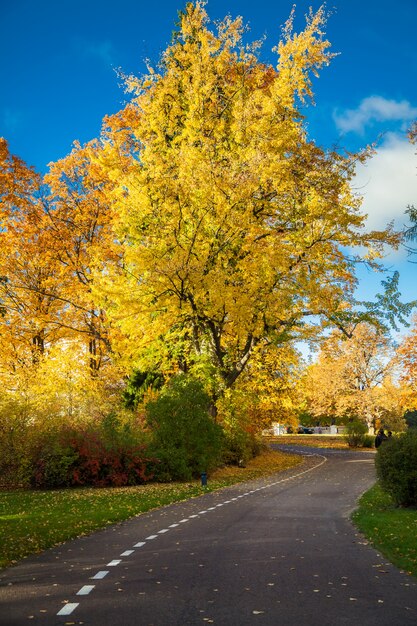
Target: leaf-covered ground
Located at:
point(316, 441)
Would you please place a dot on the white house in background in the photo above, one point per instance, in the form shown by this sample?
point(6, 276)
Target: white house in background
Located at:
point(277, 429)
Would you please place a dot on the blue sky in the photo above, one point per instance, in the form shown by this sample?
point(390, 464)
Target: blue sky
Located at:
point(58, 80)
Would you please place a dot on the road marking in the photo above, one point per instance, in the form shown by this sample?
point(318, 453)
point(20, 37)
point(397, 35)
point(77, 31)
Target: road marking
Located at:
point(84, 591)
point(68, 608)
point(100, 575)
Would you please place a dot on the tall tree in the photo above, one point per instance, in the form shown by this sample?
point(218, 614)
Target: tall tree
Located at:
point(29, 284)
point(234, 224)
point(50, 230)
point(80, 241)
point(407, 355)
point(352, 376)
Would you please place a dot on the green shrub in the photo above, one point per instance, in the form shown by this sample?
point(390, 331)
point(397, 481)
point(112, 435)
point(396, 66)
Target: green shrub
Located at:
point(240, 447)
point(368, 441)
point(185, 439)
point(14, 435)
point(356, 434)
point(396, 467)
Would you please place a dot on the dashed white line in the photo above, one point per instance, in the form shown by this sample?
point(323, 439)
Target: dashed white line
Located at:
point(68, 608)
point(100, 575)
point(84, 591)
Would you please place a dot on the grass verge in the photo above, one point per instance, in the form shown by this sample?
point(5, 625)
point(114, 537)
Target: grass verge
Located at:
point(391, 530)
point(315, 441)
point(32, 521)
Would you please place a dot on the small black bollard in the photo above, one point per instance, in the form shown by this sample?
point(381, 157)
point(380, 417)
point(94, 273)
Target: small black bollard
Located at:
point(203, 479)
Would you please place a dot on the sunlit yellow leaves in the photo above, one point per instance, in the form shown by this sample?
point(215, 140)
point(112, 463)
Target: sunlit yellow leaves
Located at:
point(300, 54)
point(354, 378)
point(232, 224)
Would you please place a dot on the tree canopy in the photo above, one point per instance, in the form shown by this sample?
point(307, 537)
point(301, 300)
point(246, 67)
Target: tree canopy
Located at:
point(234, 226)
point(203, 230)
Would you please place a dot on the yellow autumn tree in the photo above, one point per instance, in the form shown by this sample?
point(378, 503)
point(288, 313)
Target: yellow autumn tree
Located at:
point(407, 358)
point(79, 224)
point(55, 364)
point(354, 378)
point(234, 225)
point(266, 391)
point(29, 284)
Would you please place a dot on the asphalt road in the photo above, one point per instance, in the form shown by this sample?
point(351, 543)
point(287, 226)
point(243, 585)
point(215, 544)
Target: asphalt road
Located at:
point(274, 552)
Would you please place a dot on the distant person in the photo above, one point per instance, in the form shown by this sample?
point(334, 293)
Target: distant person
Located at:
point(381, 436)
point(389, 434)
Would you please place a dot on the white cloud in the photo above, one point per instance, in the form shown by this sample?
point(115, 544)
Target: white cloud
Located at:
point(11, 119)
point(103, 51)
point(374, 109)
point(388, 182)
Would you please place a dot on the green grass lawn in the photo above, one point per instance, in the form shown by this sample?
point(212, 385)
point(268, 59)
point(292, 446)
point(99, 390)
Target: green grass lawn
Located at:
point(392, 530)
point(32, 521)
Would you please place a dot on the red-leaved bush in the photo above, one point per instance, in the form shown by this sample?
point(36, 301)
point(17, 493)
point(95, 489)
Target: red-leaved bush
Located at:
point(85, 456)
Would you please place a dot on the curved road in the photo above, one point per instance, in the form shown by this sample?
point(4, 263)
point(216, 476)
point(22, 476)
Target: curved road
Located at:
point(275, 552)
